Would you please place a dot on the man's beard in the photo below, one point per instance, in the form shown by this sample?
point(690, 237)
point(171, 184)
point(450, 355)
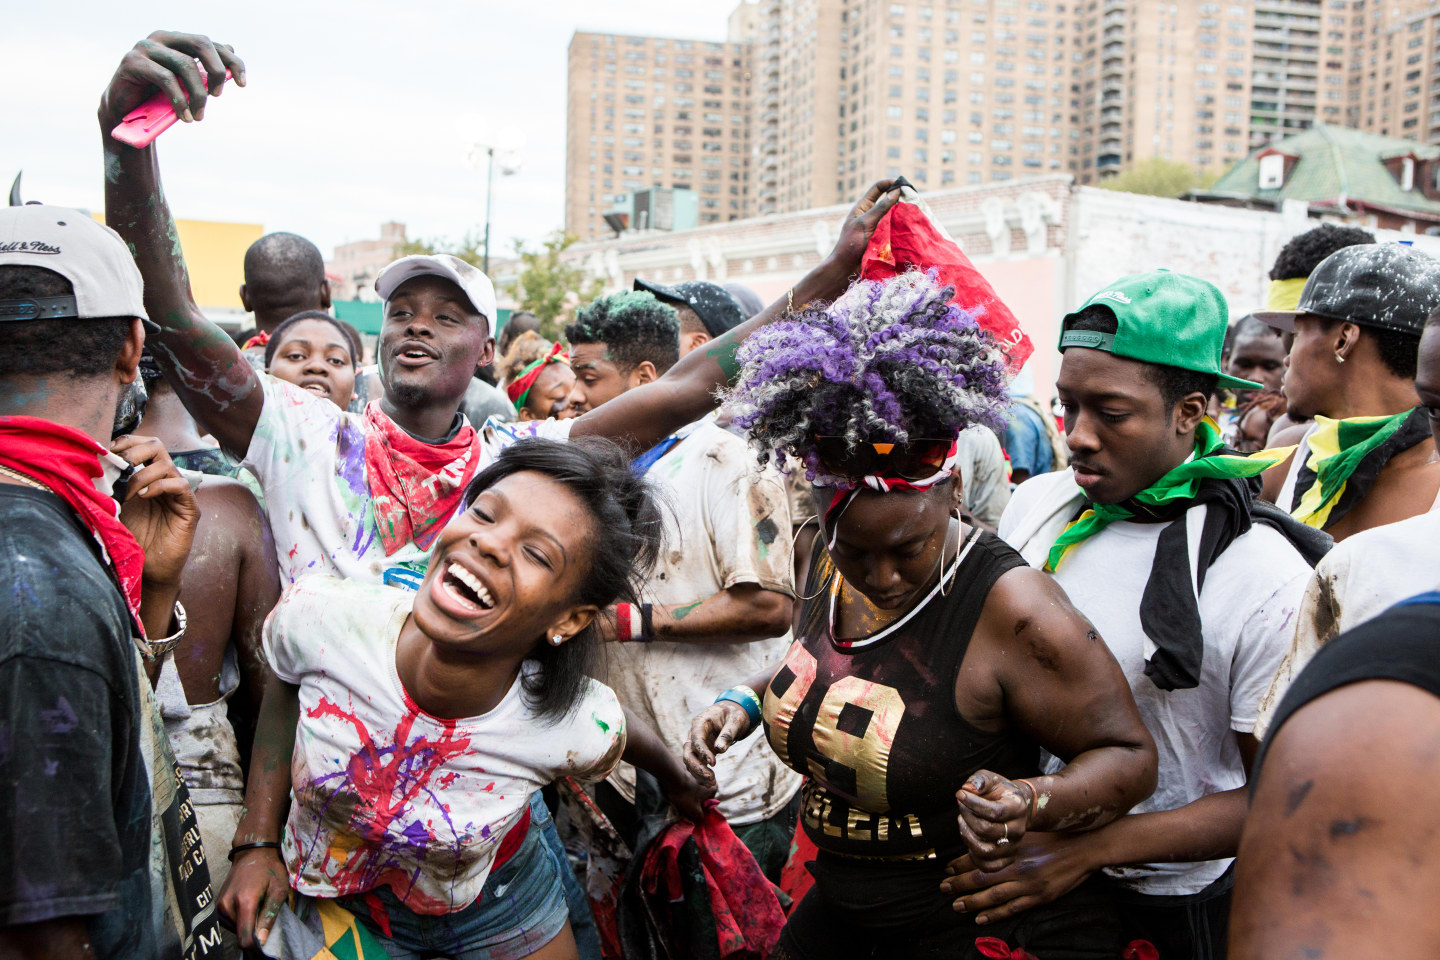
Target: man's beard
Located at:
point(409, 394)
point(129, 408)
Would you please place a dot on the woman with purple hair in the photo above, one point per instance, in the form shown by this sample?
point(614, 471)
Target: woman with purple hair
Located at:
point(930, 665)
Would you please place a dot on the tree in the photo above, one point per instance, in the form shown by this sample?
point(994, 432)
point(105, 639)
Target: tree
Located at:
point(1158, 177)
point(469, 248)
point(550, 287)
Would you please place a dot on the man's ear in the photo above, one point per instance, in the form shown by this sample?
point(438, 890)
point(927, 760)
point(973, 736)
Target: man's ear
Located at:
point(127, 364)
point(1190, 411)
point(1347, 337)
point(643, 373)
point(324, 294)
point(245, 299)
point(693, 340)
point(487, 355)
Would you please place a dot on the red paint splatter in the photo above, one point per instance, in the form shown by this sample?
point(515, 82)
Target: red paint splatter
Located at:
point(385, 782)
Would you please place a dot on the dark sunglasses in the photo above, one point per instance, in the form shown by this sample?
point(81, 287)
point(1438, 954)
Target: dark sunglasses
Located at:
point(917, 459)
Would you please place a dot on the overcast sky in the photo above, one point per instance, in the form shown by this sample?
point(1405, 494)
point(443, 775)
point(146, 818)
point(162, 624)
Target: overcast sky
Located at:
point(355, 112)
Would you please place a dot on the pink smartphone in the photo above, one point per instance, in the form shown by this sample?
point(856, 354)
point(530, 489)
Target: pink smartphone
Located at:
point(153, 117)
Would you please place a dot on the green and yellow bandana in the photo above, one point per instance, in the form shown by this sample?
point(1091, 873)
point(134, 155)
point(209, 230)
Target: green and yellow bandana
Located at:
point(1177, 486)
point(1345, 458)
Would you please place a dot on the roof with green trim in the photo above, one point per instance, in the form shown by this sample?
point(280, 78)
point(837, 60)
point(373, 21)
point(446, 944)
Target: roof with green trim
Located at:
point(1334, 162)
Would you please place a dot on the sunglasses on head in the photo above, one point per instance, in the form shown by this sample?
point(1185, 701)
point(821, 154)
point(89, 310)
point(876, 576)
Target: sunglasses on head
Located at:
point(917, 459)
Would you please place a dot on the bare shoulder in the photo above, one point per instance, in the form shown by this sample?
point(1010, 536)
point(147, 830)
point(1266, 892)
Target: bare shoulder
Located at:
point(1027, 611)
point(1333, 849)
point(233, 508)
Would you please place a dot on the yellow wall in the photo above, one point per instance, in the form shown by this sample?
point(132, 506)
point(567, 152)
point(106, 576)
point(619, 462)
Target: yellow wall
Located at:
point(215, 256)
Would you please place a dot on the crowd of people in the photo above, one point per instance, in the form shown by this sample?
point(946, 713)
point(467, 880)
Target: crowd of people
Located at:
point(707, 628)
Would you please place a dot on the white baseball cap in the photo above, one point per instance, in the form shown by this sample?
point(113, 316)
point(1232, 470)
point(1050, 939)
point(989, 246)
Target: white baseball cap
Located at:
point(88, 254)
point(476, 285)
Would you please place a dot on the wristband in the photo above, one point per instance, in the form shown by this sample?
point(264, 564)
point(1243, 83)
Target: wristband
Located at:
point(633, 623)
point(1034, 798)
point(746, 698)
point(257, 845)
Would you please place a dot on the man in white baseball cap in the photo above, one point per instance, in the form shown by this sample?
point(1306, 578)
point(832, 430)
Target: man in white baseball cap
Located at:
point(95, 820)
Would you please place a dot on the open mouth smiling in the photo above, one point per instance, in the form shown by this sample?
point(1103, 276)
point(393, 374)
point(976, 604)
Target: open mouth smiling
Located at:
point(466, 589)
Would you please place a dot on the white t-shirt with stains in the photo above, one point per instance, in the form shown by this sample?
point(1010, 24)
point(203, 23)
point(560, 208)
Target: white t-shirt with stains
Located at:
point(727, 523)
point(309, 456)
point(1362, 577)
point(1247, 609)
point(383, 794)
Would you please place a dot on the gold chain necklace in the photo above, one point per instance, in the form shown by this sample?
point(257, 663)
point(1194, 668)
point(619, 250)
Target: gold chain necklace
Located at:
point(28, 481)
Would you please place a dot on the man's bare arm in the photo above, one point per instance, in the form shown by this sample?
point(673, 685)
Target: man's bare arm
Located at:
point(208, 371)
point(644, 416)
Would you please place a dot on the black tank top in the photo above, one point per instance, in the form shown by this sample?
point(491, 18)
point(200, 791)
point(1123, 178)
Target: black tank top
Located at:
point(1400, 644)
point(871, 722)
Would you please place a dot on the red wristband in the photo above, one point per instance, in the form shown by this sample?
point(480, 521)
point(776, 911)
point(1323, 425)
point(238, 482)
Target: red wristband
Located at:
point(622, 623)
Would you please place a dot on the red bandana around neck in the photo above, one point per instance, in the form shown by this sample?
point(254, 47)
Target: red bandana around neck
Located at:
point(416, 486)
point(68, 462)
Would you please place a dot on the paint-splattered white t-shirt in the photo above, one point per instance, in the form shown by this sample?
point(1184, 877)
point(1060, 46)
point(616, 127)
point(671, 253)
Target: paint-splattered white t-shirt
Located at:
point(729, 524)
point(384, 794)
point(309, 456)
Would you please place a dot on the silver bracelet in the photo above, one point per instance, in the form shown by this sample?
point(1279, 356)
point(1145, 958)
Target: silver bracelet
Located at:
point(158, 648)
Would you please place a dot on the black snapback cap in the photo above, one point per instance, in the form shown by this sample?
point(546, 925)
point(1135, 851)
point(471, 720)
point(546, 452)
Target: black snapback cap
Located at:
point(1387, 285)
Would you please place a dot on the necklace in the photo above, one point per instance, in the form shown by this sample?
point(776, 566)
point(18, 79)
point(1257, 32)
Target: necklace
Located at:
point(896, 625)
point(28, 481)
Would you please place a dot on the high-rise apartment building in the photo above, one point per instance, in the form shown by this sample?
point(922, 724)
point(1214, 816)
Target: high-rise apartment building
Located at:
point(1159, 80)
point(953, 92)
point(1395, 84)
point(653, 111)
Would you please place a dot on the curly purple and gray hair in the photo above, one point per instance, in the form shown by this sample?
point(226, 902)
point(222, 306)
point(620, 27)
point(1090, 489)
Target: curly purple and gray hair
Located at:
point(887, 362)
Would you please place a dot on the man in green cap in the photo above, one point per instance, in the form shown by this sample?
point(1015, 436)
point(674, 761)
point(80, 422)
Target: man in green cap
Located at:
point(1156, 536)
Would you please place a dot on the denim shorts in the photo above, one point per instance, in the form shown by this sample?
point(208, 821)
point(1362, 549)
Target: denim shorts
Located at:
point(521, 908)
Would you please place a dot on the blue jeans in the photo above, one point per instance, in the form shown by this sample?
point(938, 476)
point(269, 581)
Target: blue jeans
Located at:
point(521, 908)
point(582, 921)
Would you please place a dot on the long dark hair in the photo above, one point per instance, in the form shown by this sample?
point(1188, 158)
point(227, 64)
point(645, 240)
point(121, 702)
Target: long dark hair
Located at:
point(627, 538)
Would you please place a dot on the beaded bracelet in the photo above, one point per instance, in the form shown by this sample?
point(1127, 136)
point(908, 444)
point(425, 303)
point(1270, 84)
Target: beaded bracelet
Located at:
point(747, 699)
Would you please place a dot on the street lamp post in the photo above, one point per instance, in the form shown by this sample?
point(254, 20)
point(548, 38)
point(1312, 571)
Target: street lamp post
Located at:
point(508, 147)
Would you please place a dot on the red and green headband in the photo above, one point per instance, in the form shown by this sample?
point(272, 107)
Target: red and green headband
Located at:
point(519, 388)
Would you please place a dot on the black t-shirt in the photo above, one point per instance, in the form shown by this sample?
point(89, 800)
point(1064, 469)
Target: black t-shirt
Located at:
point(86, 776)
point(1402, 644)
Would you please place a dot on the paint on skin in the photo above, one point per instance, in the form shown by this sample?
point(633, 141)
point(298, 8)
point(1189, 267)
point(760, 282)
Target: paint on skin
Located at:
point(723, 353)
point(680, 613)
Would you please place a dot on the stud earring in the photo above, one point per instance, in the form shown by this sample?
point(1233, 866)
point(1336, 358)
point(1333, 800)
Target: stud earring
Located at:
point(556, 640)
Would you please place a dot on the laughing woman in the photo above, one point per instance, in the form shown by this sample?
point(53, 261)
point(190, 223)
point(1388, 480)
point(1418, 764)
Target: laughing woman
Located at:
point(930, 664)
point(427, 720)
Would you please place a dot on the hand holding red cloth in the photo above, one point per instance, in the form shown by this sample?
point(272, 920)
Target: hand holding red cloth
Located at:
point(747, 914)
point(416, 487)
point(907, 238)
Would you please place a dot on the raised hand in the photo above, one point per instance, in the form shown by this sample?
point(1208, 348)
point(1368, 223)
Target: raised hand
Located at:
point(166, 61)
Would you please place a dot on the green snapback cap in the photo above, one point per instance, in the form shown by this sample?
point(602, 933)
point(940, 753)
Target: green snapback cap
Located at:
point(1164, 318)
